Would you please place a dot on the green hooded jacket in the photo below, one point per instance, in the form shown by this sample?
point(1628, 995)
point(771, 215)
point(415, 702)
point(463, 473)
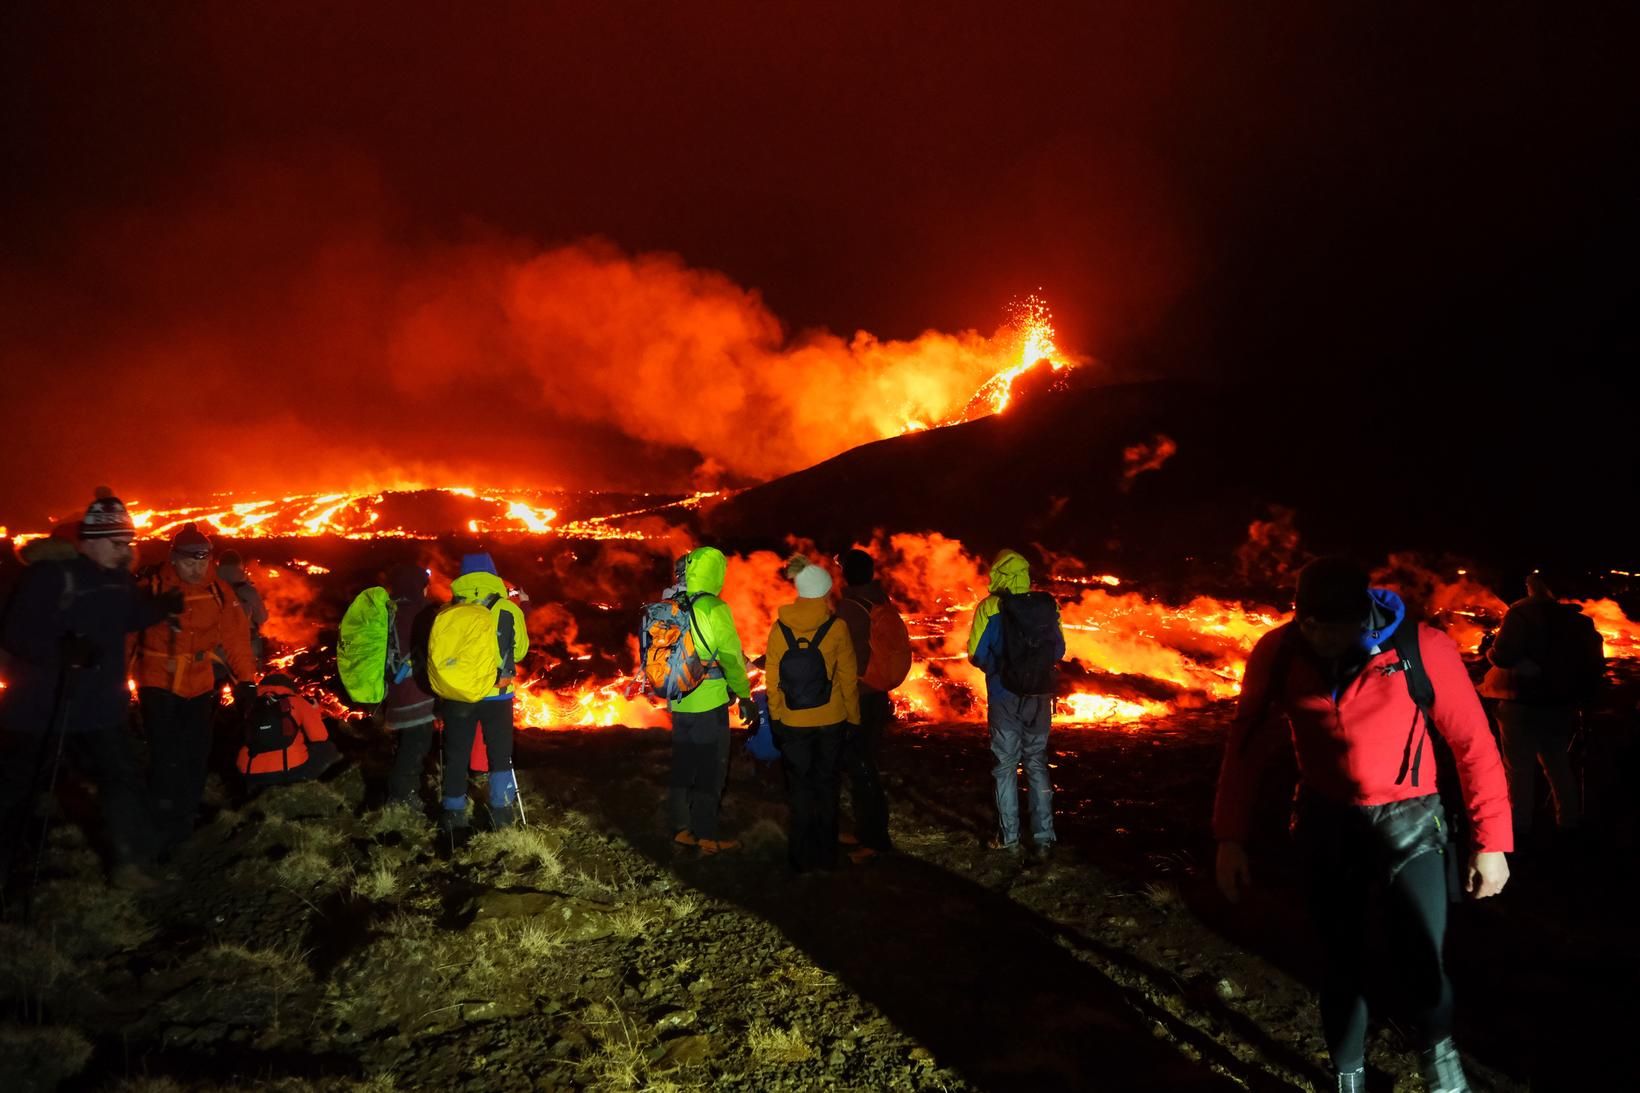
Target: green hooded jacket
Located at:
point(703, 574)
point(1009, 573)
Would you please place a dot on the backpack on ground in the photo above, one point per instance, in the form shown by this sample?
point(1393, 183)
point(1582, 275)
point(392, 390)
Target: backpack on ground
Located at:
point(1030, 642)
point(367, 651)
point(269, 725)
point(804, 679)
point(890, 659)
point(464, 650)
point(1573, 662)
point(669, 658)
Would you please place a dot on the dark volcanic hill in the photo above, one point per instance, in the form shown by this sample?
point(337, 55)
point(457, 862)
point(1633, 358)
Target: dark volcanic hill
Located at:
point(1363, 473)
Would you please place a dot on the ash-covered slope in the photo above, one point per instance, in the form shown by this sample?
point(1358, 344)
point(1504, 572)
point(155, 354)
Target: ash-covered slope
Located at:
point(1365, 472)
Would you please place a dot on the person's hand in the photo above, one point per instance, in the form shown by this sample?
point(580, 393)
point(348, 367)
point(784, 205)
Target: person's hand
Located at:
point(1234, 875)
point(78, 651)
point(172, 601)
point(1488, 873)
point(748, 712)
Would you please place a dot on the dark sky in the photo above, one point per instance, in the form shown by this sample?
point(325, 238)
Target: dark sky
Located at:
point(1199, 188)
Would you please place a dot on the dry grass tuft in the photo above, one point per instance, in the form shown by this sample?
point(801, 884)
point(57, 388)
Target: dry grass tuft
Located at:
point(634, 921)
point(40, 1057)
point(378, 885)
point(769, 1045)
point(518, 849)
point(89, 919)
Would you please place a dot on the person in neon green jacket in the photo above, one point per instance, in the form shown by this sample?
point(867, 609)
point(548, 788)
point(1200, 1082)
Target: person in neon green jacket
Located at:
point(493, 715)
point(700, 719)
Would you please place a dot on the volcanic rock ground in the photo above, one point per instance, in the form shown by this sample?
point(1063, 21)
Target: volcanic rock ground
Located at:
point(313, 940)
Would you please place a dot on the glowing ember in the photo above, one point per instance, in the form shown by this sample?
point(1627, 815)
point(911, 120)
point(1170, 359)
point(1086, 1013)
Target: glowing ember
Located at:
point(1032, 319)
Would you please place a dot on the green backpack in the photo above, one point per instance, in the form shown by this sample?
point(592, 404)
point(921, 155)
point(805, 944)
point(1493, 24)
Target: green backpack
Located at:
point(367, 653)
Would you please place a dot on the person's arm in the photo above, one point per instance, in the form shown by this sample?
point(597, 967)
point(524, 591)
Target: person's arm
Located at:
point(1247, 748)
point(234, 635)
point(308, 719)
point(858, 617)
point(847, 676)
point(521, 636)
point(1509, 648)
point(1463, 726)
point(255, 609)
point(773, 651)
point(720, 627)
point(1059, 634)
point(982, 636)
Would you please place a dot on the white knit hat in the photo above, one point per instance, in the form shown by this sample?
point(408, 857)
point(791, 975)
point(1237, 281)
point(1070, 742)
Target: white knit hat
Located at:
point(813, 583)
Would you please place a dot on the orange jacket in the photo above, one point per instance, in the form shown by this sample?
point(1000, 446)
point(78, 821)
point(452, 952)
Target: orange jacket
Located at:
point(306, 725)
point(179, 655)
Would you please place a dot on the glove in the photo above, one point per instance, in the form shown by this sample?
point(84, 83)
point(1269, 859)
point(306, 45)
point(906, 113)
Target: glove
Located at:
point(243, 695)
point(748, 712)
point(78, 651)
point(172, 601)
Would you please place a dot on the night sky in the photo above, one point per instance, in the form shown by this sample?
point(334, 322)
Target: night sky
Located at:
point(254, 245)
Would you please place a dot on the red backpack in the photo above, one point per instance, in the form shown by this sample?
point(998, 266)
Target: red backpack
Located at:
point(890, 649)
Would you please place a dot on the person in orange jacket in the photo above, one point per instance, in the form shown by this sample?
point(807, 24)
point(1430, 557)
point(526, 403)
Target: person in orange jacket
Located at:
point(286, 739)
point(176, 680)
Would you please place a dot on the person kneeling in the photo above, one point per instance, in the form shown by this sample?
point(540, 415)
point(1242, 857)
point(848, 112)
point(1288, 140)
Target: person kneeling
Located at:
point(286, 739)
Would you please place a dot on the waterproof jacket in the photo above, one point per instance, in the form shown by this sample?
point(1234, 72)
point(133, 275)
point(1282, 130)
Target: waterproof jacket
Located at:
point(1546, 632)
point(715, 634)
point(305, 724)
point(54, 598)
point(410, 701)
point(256, 613)
point(854, 607)
point(1354, 732)
point(180, 655)
point(805, 618)
point(478, 587)
point(1010, 575)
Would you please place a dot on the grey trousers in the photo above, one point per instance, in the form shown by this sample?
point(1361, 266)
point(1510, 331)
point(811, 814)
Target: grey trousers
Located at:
point(1019, 734)
point(1536, 736)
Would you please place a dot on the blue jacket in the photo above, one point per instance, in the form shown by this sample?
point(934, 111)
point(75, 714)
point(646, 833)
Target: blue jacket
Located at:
point(71, 597)
point(1009, 574)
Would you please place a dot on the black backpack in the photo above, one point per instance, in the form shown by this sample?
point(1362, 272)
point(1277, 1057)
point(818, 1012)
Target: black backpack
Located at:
point(1030, 642)
point(803, 676)
point(268, 724)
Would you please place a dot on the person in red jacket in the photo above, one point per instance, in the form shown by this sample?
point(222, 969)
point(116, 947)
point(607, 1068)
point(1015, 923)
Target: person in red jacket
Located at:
point(1368, 814)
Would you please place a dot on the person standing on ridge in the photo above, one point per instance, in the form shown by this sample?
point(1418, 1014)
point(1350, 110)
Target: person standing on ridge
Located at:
point(882, 652)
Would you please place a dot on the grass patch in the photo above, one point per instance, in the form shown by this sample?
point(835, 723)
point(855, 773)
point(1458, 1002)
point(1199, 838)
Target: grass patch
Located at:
point(39, 1057)
point(518, 850)
point(634, 921)
point(89, 919)
point(621, 1061)
point(770, 1045)
point(406, 821)
point(379, 884)
point(536, 939)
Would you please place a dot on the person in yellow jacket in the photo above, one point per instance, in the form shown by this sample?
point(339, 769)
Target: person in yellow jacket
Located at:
point(176, 664)
point(814, 696)
point(700, 719)
point(492, 715)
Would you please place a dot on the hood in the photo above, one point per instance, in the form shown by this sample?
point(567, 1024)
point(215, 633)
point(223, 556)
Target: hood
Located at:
point(704, 570)
point(1388, 612)
point(48, 550)
point(870, 593)
point(480, 562)
point(476, 587)
point(805, 615)
point(1010, 573)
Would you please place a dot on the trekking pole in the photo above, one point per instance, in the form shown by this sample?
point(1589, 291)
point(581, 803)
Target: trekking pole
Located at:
point(518, 796)
point(42, 799)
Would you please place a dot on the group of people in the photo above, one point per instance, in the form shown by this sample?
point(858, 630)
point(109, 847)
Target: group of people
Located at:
point(1365, 691)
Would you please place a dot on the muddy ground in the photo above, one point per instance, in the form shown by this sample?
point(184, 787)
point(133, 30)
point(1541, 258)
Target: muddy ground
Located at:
point(311, 940)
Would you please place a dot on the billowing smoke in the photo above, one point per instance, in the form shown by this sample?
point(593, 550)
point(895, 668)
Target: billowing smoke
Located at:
point(277, 334)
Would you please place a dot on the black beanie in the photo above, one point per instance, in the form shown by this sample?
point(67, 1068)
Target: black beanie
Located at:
point(858, 568)
point(106, 518)
point(1333, 590)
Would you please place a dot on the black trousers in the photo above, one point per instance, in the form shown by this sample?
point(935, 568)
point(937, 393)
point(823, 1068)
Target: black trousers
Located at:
point(179, 750)
point(107, 758)
point(862, 744)
point(812, 758)
point(463, 720)
point(700, 767)
point(1415, 912)
point(409, 758)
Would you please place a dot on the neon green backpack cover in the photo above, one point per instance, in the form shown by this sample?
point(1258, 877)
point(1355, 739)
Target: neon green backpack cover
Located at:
point(366, 645)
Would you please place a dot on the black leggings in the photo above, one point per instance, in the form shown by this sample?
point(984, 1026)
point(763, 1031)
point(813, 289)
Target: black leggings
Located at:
point(1415, 908)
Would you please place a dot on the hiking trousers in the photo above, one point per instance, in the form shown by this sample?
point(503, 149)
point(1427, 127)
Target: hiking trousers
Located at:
point(105, 756)
point(700, 767)
point(1414, 913)
point(409, 757)
point(812, 759)
point(179, 751)
point(462, 721)
point(862, 744)
point(1019, 735)
point(1536, 736)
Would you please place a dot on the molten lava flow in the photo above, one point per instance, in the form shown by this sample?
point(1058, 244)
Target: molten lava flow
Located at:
point(1031, 319)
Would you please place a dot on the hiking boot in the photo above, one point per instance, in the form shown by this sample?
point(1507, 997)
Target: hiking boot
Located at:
point(995, 843)
point(132, 878)
point(1442, 1068)
point(862, 855)
point(1043, 852)
point(685, 838)
point(503, 816)
point(717, 846)
point(1353, 1081)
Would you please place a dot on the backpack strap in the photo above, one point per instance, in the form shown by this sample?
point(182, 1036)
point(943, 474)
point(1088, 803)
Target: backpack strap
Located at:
point(1409, 662)
point(820, 634)
point(688, 603)
point(791, 638)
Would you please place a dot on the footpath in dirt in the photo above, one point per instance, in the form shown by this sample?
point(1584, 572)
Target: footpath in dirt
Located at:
point(314, 941)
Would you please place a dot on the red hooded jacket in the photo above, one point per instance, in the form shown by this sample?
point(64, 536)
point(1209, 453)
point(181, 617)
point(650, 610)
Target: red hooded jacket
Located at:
point(1351, 750)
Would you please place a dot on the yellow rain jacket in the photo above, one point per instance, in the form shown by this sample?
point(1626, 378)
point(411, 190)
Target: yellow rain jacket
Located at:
point(1009, 573)
point(805, 617)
